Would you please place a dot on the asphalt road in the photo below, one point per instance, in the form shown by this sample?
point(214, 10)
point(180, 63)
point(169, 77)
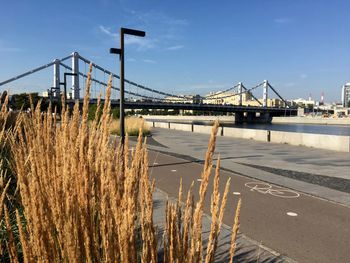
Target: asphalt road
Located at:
point(320, 231)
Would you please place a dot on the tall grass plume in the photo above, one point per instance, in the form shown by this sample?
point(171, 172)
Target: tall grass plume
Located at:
point(86, 198)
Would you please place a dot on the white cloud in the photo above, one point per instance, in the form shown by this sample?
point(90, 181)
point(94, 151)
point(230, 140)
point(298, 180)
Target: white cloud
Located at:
point(7, 47)
point(176, 47)
point(10, 49)
point(303, 76)
point(289, 84)
point(162, 30)
point(149, 61)
point(282, 20)
point(161, 18)
point(108, 32)
point(140, 42)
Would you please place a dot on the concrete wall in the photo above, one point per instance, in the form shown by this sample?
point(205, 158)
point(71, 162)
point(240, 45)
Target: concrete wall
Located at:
point(181, 127)
point(320, 141)
point(258, 135)
point(205, 129)
point(161, 125)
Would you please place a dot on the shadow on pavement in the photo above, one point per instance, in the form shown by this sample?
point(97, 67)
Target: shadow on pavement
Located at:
point(244, 253)
point(202, 161)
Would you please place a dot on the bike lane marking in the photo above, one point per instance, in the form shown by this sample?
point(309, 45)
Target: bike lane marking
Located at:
point(292, 214)
point(265, 188)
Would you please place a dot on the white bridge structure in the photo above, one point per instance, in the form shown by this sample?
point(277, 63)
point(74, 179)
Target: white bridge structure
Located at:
point(145, 97)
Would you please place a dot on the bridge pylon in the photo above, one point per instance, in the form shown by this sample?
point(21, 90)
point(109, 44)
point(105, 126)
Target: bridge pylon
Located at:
point(56, 79)
point(75, 78)
point(240, 92)
point(265, 93)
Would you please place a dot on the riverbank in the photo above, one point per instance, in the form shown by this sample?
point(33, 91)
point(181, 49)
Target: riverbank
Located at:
point(318, 141)
point(275, 120)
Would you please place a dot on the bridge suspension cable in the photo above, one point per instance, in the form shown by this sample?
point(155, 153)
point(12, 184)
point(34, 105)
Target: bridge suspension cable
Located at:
point(220, 92)
point(133, 83)
point(113, 87)
point(139, 87)
point(275, 91)
point(239, 93)
point(33, 71)
point(253, 96)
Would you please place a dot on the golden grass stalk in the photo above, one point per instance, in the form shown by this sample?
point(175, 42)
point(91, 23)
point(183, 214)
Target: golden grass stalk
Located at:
point(235, 230)
point(85, 198)
point(132, 126)
point(11, 241)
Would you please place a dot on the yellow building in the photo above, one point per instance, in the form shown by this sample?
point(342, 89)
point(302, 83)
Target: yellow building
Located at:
point(227, 98)
point(230, 98)
point(183, 99)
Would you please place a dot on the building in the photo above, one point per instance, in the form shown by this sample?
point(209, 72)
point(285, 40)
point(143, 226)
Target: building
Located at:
point(302, 103)
point(229, 98)
point(196, 99)
point(345, 95)
point(226, 98)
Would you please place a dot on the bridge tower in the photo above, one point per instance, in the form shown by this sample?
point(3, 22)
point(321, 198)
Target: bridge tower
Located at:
point(240, 92)
point(75, 79)
point(265, 93)
point(56, 78)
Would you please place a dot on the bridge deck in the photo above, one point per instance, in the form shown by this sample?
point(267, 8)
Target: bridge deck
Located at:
point(201, 107)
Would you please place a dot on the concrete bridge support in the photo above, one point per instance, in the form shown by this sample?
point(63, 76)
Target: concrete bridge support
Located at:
point(239, 117)
point(252, 117)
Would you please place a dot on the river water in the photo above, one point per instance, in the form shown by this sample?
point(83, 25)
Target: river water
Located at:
point(302, 128)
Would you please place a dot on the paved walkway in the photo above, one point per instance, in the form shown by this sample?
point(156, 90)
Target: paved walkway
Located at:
point(297, 225)
point(321, 173)
point(247, 249)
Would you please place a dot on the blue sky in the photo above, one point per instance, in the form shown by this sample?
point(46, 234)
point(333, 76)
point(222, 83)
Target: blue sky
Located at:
point(300, 46)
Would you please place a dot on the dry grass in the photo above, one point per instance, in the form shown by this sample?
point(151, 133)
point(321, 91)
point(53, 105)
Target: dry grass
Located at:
point(85, 199)
point(5, 118)
point(132, 126)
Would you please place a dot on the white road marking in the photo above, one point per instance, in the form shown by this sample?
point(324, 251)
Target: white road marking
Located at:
point(199, 180)
point(265, 188)
point(292, 214)
point(236, 193)
point(173, 171)
point(155, 163)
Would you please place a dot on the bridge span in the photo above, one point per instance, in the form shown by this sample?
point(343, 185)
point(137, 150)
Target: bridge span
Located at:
point(142, 97)
point(249, 114)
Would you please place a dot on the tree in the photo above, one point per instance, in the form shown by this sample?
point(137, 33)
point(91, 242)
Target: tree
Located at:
point(22, 101)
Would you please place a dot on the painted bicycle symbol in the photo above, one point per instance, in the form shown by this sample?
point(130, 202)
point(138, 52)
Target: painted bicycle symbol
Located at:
point(265, 188)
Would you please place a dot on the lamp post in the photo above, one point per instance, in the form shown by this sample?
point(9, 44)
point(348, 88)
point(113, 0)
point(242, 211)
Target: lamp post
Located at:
point(64, 83)
point(120, 51)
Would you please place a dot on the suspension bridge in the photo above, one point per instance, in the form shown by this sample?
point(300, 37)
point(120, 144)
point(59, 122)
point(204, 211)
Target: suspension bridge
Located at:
point(143, 97)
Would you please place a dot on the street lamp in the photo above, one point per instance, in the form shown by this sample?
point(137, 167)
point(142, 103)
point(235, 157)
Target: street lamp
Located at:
point(64, 83)
point(120, 52)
